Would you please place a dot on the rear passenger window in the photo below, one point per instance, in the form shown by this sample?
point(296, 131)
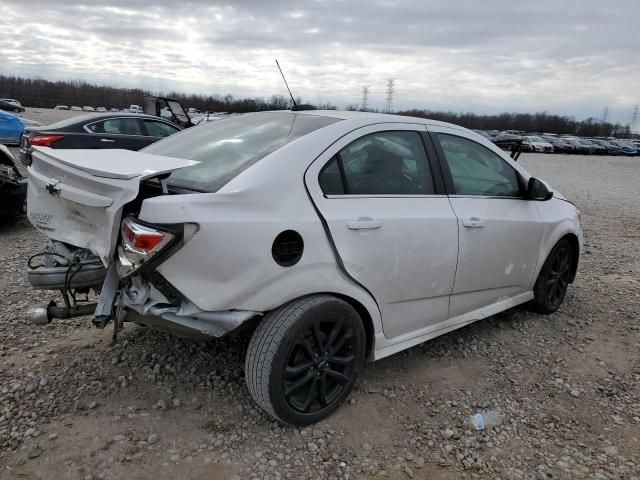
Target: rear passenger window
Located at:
point(117, 126)
point(384, 163)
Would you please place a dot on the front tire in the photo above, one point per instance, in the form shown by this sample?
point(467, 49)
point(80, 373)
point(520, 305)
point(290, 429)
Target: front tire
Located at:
point(304, 357)
point(553, 280)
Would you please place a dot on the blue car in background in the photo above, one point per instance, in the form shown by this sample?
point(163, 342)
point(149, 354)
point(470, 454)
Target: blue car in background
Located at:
point(626, 148)
point(11, 128)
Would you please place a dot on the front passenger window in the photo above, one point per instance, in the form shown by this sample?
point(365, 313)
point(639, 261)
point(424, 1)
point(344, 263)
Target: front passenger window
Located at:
point(476, 170)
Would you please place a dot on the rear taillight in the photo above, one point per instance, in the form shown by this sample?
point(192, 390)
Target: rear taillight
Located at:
point(44, 140)
point(139, 244)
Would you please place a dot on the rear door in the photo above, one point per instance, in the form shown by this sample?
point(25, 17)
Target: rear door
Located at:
point(394, 230)
point(76, 196)
point(499, 231)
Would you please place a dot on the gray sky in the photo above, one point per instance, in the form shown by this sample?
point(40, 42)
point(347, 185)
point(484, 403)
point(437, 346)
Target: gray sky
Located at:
point(564, 56)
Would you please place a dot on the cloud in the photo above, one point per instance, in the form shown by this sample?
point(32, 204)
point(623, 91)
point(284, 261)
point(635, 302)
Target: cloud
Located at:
point(571, 57)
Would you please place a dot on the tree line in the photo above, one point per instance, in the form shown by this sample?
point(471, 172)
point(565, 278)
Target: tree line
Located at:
point(38, 92)
point(541, 122)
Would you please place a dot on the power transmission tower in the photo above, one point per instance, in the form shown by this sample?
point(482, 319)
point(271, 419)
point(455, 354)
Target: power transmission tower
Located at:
point(365, 97)
point(390, 85)
point(605, 116)
point(634, 118)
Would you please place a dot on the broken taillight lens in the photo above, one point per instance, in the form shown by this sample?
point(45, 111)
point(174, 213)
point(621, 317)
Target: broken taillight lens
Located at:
point(139, 244)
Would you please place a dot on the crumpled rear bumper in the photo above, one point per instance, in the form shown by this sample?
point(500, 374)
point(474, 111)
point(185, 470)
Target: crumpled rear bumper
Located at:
point(62, 267)
point(147, 306)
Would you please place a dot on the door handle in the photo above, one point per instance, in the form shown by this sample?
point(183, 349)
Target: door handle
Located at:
point(473, 222)
point(364, 224)
point(107, 140)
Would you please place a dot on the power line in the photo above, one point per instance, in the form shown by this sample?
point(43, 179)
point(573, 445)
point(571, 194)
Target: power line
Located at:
point(390, 86)
point(365, 97)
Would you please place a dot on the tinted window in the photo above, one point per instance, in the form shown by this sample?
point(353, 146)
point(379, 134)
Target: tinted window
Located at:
point(384, 163)
point(117, 126)
point(476, 170)
point(159, 129)
point(228, 147)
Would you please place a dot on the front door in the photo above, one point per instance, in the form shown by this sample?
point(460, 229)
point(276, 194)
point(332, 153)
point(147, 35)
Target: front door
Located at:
point(499, 231)
point(393, 228)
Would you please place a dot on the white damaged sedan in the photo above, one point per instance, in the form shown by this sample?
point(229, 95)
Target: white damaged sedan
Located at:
point(331, 237)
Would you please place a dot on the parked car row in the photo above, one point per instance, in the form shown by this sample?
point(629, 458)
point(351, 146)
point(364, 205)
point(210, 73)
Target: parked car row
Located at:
point(550, 143)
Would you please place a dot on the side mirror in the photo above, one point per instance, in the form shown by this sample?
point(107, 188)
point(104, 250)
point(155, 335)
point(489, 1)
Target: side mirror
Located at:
point(537, 190)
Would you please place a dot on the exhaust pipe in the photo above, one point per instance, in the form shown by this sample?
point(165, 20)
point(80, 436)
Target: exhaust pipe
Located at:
point(44, 314)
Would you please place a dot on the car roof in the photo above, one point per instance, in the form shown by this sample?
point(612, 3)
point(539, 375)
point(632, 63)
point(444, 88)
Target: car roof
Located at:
point(96, 117)
point(347, 115)
point(373, 117)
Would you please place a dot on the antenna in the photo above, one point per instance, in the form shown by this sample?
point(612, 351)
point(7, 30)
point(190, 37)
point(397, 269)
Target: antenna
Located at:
point(287, 85)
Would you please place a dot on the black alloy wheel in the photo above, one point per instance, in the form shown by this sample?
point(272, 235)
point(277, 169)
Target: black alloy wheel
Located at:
point(320, 365)
point(559, 276)
point(554, 279)
point(304, 358)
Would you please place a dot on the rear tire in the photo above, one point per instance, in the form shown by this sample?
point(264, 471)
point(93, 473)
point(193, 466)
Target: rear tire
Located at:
point(304, 357)
point(553, 280)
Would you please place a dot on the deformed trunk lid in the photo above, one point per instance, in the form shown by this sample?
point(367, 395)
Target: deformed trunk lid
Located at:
point(76, 196)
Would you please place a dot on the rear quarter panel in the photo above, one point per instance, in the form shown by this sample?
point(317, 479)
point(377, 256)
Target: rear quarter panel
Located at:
point(228, 264)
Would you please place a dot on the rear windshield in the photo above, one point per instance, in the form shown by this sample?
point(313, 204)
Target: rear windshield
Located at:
point(228, 147)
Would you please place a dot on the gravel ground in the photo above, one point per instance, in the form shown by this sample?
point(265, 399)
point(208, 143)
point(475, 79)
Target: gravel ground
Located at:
point(567, 385)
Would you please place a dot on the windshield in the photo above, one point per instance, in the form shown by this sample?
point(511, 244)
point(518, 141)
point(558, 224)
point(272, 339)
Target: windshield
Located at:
point(535, 139)
point(229, 146)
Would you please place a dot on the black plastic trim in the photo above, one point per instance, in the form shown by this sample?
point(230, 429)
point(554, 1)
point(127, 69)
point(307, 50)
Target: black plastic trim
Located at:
point(434, 164)
point(449, 187)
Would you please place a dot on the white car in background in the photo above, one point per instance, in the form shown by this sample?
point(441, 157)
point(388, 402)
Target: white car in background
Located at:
point(537, 144)
point(135, 109)
point(88, 108)
point(335, 237)
point(12, 101)
point(76, 109)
